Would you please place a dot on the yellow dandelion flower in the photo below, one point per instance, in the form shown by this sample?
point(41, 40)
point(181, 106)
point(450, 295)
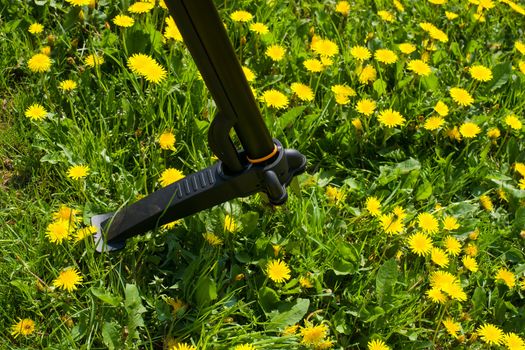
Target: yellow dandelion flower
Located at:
point(471, 249)
point(259, 28)
point(399, 211)
point(146, 67)
point(367, 75)
point(455, 291)
point(377, 345)
point(452, 327)
point(244, 347)
point(303, 92)
point(305, 282)
point(275, 52)
point(360, 53)
point(36, 28)
point(486, 202)
point(452, 245)
point(386, 16)
point(241, 16)
point(513, 122)
point(437, 2)
point(521, 184)
point(169, 225)
point(36, 112)
point(519, 168)
point(521, 66)
point(470, 263)
point(506, 277)
point(493, 133)
point(469, 130)
point(170, 176)
point(94, 60)
point(513, 341)
point(436, 296)
point(68, 279)
point(356, 122)
point(313, 335)
point(167, 141)
point(342, 92)
point(67, 85)
point(434, 123)
point(520, 47)
point(441, 108)
point(439, 257)
point(399, 6)
point(85, 232)
point(171, 31)
point(420, 243)
point(390, 118)
point(461, 96)
point(183, 346)
point(451, 15)
point(419, 67)
point(428, 223)
point(123, 21)
point(39, 63)
point(177, 305)
point(274, 98)
point(79, 2)
point(490, 334)
point(366, 106)
point(23, 327)
point(313, 65)
point(77, 172)
point(480, 73)
point(335, 195)
point(230, 225)
point(278, 271)
point(373, 206)
point(343, 7)
point(141, 7)
point(59, 231)
point(325, 47)
point(390, 224)
point(249, 74)
point(385, 56)
point(212, 239)
point(66, 213)
point(407, 48)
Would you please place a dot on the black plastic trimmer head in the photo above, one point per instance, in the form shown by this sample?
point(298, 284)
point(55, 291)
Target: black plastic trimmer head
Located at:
point(262, 166)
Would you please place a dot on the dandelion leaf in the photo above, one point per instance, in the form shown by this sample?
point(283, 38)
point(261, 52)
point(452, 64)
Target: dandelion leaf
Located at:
point(288, 313)
point(268, 298)
point(206, 290)
point(385, 279)
point(106, 296)
point(111, 335)
point(500, 75)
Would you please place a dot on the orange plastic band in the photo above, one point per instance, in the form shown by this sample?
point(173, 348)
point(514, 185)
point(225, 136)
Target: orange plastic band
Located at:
point(260, 160)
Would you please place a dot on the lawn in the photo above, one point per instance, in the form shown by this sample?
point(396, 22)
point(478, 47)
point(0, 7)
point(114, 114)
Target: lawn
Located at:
point(407, 230)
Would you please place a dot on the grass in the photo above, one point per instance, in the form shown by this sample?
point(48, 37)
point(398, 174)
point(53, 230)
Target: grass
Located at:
point(174, 286)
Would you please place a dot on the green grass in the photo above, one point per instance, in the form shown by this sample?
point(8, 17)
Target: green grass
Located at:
point(365, 284)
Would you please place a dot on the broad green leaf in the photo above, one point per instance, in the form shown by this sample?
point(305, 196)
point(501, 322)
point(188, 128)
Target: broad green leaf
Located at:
point(380, 86)
point(205, 290)
point(386, 278)
point(430, 82)
point(343, 267)
point(288, 314)
point(424, 191)
point(111, 335)
point(500, 75)
point(106, 296)
point(290, 117)
point(268, 299)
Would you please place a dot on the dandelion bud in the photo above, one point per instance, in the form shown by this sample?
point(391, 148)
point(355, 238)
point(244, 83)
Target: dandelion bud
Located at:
point(243, 40)
point(92, 4)
point(50, 39)
point(239, 277)
point(522, 234)
point(107, 25)
point(356, 122)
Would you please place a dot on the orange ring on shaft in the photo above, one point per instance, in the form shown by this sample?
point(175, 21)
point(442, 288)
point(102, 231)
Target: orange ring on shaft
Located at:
point(260, 160)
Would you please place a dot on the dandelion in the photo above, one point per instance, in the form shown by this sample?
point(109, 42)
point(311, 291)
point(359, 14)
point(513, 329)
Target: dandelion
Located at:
point(313, 65)
point(183, 346)
point(244, 347)
point(94, 60)
point(58, 231)
point(212, 239)
point(325, 47)
point(303, 92)
point(360, 53)
point(377, 345)
point(241, 16)
point(385, 56)
point(66, 213)
point(366, 106)
point(398, 6)
point(513, 122)
point(434, 123)
point(177, 305)
point(521, 66)
point(167, 141)
point(451, 15)
point(420, 243)
point(407, 48)
point(343, 7)
point(356, 122)
point(36, 28)
point(146, 67)
point(480, 73)
point(373, 205)
point(441, 108)
point(79, 2)
point(486, 202)
point(399, 212)
point(274, 98)
point(436, 296)
point(452, 245)
point(35, 112)
point(513, 341)
point(85, 232)
point(452, 327)
point(171, 31)
point(439, 257)
point(520, 168)
point(141, 7)
point(259, 28)
point(367, 74)
point(490, 334)
point(171, 225)
point(390, 118)
point(506, 277)
point(335, 195)
point(313, 335)
point(520, 47)
point(471, 249)
point(68, 279)
point(470, 263)
point(123, 21)
point(39, 63)
point(469, 130)
point(275, 52)
point(453, 133)
point(386, 16)
point(342, 92)
point(390, 224)
point(77, 172)
point(170, 176)
point(278, 271)
point(493, 133)
point(461, 96)
point(419, 67)
point(67, 85)
point(23, 327)
point(229, 224)
point(428, 223)
point(305, 282)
